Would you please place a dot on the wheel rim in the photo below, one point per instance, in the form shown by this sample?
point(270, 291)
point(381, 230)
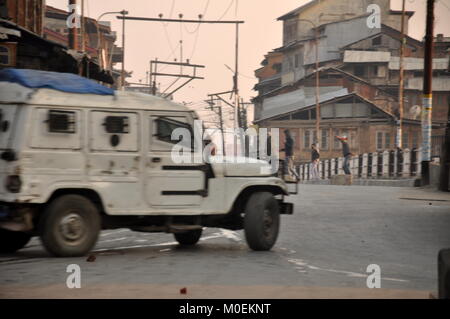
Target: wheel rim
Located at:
point(72, 228)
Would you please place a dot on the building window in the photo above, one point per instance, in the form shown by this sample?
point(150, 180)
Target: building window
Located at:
point(415, 140)
point(376, 41)
point(307, 139)
point(325, 139)
point(383, 141)
point(359, 70)
point(387, 138)
point(337, 144)
point(405, 140)
point(379, 141)
point(296, 61)
point(375, 70)
point(4, 55)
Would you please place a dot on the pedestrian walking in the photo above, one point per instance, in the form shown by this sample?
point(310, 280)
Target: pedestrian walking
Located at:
point(315, 160)
point(346, 153)
point(289, 153)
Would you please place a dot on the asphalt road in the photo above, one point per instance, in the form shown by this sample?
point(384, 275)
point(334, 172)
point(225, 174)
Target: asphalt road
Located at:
point(335, 233)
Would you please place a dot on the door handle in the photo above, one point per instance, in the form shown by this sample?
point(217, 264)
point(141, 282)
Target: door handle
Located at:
point(156, 160)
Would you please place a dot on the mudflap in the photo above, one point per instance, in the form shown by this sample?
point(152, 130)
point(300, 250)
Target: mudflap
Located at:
point(286, 208)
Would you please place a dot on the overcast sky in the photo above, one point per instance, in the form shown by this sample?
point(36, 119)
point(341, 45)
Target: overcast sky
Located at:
point(213, 45)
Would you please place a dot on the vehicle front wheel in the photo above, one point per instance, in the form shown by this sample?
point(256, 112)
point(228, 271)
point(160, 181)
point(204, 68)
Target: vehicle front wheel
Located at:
point(188, 238)
point(11, 241)
point(70, 226)
point(261, 221)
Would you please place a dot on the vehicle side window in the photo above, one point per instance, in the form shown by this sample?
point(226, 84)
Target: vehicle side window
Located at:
point(117, 124)
point(61, 121)
point(164, 126)
point(55, 129)
point(114, 131)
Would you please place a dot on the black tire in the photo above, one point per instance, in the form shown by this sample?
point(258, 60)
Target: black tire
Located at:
point(188, 238)
point(12, 241)
point(70, 226)
point(261, 221)
point(444, 274)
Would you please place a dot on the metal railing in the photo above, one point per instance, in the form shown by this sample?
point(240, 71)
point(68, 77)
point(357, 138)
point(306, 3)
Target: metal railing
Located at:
point(387, 164)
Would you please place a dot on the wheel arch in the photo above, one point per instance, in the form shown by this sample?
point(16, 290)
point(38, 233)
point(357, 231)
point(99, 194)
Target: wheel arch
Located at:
point(241, 200)
point(90, 194)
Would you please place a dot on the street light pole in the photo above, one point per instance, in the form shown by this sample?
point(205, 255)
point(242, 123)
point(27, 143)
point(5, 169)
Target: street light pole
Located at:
point(123, 13)
point(399, 142)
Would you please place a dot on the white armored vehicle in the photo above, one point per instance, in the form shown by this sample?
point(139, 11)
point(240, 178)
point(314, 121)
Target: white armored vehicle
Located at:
point(77, 157)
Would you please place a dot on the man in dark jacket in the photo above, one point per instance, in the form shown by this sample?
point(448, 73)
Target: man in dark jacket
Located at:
point(289, 152)
point(346, 153)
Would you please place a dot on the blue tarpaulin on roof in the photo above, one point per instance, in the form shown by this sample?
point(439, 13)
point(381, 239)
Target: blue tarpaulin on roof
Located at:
point(66, 82)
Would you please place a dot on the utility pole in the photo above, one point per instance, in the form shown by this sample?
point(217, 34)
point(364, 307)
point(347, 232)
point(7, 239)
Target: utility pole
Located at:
point(83, 43)
point(427, 95)
point(154, 73)
point(399, 142)
point(218, 110)
point(316, 40)
point(123, 50)
point(236, 83)
point(73, 32)
point(180, 20)
point(316, 35)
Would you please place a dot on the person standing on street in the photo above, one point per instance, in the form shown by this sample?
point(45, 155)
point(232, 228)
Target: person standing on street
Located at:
point(315, 160)
point(289, 152)
point(346, 153)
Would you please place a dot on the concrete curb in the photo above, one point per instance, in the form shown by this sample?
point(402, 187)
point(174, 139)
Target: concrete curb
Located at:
point(371, 182)
point(152, 291)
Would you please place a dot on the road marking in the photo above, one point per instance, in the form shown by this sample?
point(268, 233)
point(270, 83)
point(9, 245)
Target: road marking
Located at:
point(171, 243)
point(115, 232)
point(230, 235)
point(302, 265)
point(164, 250)
point(217, 235)
point(110, 240)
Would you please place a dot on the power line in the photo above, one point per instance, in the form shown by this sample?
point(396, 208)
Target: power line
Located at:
point(171, 12)
point(226, 11)
point(195, 44)
point(202, 16)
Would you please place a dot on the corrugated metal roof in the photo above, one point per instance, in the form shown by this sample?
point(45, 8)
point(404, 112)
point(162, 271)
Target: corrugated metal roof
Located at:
point(353, 56)
point(293, 101)
point(417, 63)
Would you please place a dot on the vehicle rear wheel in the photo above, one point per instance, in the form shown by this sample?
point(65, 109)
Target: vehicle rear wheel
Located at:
point(70, 226)
point(261, 221)
point(11, 241)
point(444, 274)
point(188, 238)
